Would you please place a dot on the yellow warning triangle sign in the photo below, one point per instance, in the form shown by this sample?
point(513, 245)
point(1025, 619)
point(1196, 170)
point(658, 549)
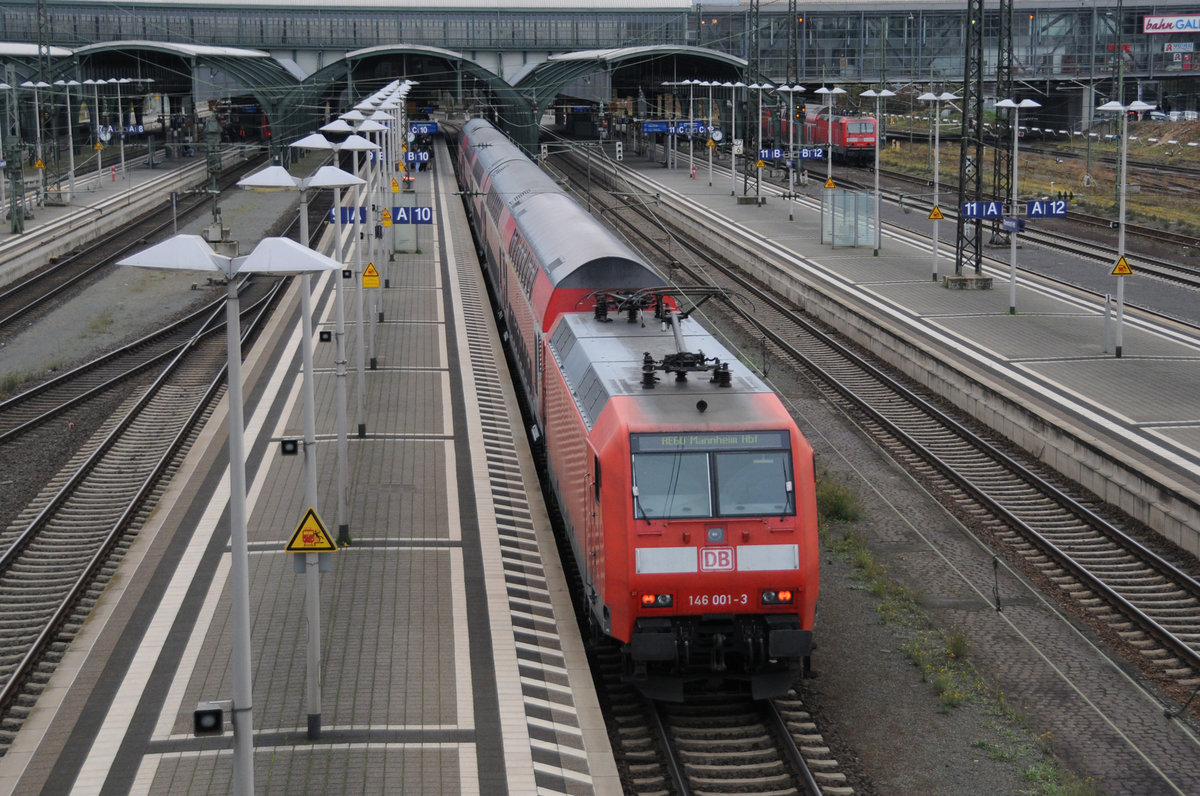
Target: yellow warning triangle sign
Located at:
point(39, 164)
point(387, 216)
point(936, 215)
point(395, 186)
point(710, 143)
point(829, 183)
point(1122, 268)
point(759, 165)
point(370, 276)
point(98, 146)
point(311, 536)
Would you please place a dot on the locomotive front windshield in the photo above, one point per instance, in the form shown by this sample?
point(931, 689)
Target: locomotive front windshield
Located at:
point(860, 128)
point(737, 474)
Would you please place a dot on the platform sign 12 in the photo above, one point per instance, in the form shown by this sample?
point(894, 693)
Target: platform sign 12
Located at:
point(1046, 208)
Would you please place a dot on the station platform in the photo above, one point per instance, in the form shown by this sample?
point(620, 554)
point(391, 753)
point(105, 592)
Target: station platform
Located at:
point(451, 659)
point(1053, 352)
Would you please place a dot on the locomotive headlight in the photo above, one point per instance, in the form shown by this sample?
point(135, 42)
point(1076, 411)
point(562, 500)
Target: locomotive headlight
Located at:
point(778, 597)
point(658, 600)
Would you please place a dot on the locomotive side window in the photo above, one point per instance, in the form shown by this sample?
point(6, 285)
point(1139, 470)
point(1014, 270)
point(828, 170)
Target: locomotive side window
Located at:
point(671, 485)
point(754, 483)
point(734, 474)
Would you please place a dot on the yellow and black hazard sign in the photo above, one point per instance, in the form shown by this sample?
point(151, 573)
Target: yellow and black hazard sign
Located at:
point(829, 183)
point(710, 143)
point(311, 536)
point(370, 276)
point(98, 146)
point(39, 164)
point(387, 214)
point(760, 165)
point(1122, 268)
point(395, 189)
point(936, 215)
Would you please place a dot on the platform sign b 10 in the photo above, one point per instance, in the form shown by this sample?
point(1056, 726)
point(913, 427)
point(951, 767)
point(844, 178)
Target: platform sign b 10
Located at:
point(1046, 208)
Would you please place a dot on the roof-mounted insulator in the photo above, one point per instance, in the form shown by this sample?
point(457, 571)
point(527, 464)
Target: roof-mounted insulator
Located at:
point(648, 377)
point(721, 375)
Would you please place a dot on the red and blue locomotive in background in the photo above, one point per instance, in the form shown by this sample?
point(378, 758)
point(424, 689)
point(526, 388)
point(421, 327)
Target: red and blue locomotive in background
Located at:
point(686, 489)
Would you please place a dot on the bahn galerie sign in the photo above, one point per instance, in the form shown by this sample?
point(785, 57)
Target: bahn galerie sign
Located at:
point(1186, 23)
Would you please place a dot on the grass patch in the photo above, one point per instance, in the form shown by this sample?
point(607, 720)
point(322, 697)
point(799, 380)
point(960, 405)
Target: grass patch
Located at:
point(835, 502)
point(10, 382)
point(101, 323)
point(941, 656)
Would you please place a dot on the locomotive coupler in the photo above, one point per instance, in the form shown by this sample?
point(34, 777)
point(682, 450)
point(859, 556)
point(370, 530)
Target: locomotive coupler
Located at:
point(718, 653)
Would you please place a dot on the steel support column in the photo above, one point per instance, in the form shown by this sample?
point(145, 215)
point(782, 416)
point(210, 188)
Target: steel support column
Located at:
point(968, 244)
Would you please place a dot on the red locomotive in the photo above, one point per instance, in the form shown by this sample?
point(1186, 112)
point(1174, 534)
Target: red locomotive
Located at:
point(852, 137)
point(686, 489)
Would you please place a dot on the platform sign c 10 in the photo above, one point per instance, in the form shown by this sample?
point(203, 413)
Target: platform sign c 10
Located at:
point(423, 128)
point(1046, 208)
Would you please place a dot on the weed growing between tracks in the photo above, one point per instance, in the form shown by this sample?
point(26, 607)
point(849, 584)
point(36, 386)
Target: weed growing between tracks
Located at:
point(942, 656)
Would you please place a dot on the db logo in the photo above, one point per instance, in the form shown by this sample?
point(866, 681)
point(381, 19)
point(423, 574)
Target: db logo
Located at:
point(716, 559)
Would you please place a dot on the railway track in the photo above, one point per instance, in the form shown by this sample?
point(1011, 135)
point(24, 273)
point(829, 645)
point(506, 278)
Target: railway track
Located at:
point(59, 554)
point(22, 298)
point(713, 744)
point(1055, 531)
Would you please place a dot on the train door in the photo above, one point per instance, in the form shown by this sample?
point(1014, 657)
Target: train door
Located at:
point(594, 527)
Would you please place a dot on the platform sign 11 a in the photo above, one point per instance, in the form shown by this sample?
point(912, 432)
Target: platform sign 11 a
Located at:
point(982, 209)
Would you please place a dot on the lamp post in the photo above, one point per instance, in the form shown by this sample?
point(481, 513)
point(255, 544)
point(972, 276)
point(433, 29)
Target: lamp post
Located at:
point(829, 92)
point(1137, 106)
point(121, 124)
point(791, 92)
point(278, 256)
point(733, 87)
point(374, 178)
point(691, 133)
point(97, 147)
point(354, 144)
point(709, 133)
point(937, 99)
point(318, 141)
point(37, 130)
point(877, 95)
point(1015, 107)
point(66, 84)
point(3, 126)
point(758, 139)
point(324, 177)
